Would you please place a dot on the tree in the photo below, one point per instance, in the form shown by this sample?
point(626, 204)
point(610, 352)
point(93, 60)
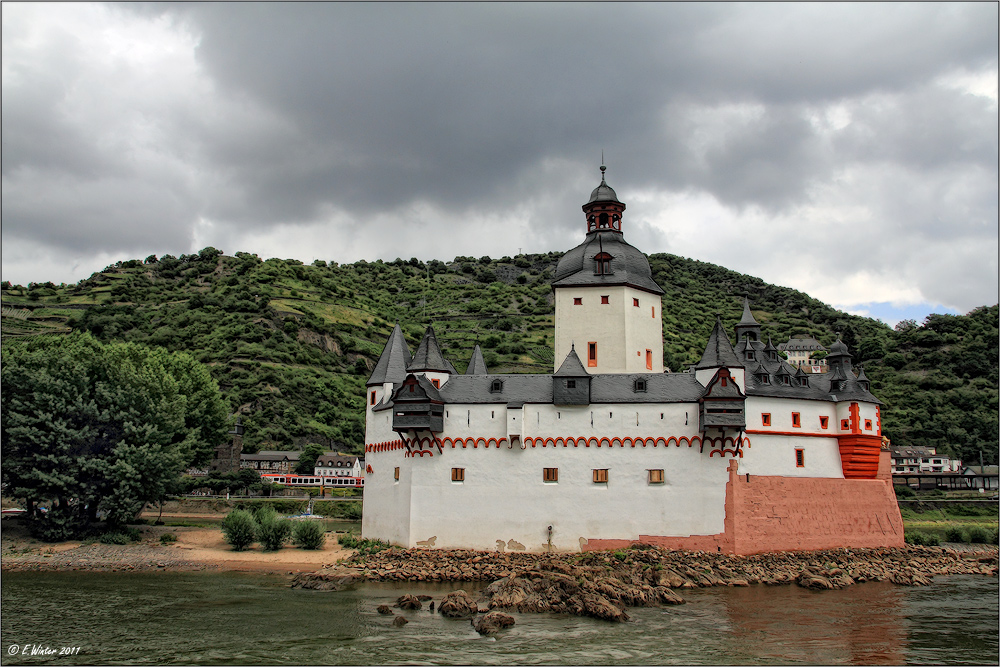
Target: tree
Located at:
point(88, 425)
point(307, 459)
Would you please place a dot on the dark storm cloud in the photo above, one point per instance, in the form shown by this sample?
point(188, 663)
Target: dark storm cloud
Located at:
point(302, 113)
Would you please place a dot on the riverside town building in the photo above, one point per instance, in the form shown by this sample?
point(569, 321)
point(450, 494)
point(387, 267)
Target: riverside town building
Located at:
point(742, 453)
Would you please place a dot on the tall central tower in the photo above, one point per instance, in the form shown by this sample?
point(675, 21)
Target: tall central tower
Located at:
point(607, 305)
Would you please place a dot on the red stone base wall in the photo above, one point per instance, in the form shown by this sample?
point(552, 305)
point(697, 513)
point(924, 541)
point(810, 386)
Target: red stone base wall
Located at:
point(794, 514)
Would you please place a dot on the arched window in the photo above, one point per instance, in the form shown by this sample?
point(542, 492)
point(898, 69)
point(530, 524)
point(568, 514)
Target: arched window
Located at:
point(602, 221)
point(602, 264)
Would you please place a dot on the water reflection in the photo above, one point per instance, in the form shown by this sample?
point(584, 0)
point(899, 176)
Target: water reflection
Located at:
point(210, 618)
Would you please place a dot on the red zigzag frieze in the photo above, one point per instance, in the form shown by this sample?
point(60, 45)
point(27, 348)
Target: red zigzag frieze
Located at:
point(720, 446)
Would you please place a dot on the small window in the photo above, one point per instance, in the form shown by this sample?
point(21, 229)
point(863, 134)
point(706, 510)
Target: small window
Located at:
point(723, 381)
point(635, 302)
point(796, 420)
point(652, 312)
point(571, 384)
point(458, 474)
point(373, 398)
point(496, 386)
point(395, 475)
point(592, 354)
point(824, 422)
point(765, 418)
point(600, 476)
point(656, 476)
point(436, 383)
point(800, 458)
point(578, 301)
point(764, 378)
point(602, 264)
point(845, 425)
point(649, 360)
point(750, 355)
point(640, 385)
point(868, 424)
point(605, 299)
point(550, 474)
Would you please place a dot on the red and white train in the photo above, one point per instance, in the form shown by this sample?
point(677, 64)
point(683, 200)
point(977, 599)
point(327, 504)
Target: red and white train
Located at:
point(291, 479)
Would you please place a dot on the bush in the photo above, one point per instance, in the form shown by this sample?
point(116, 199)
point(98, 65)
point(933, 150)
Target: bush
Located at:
point(168, 538)
point(903, 491)
point(364, 547)
point(920, 538)
point(309, 534)
point(265, 514)
point(979, 535)
point(240, 529)
point(114, 537)
point(272, 533)
point(56, 525)
point(954, 534)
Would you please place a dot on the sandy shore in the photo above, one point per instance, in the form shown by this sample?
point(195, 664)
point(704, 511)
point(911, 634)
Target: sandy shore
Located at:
point(195, 549)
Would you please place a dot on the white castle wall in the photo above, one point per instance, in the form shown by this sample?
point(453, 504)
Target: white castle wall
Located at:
point(622, 331)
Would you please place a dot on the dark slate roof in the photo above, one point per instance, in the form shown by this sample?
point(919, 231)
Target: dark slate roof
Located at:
point(338, 461)
point(428, 356)
point(572, 366)
point(719, 351)
point(604, 388)
point(477, 365)
point(810, 344)
point(271, 455)
point(838, 348)
point(770, 346)
point(392, 363)
point(603, 192)
point(747, 320)
point(629, 265)
point(861, 374)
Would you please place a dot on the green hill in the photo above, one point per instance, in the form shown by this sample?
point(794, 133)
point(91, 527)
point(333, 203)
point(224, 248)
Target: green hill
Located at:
point(291, 345)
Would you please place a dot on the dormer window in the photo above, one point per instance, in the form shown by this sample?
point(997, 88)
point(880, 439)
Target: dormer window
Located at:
point(773, 356)
point(602, 264)
point(785, 380)
point(803, 382)
point(764, 378)
point(639, 385)
point(496, 386)
point(750, 355)
point(571, 384)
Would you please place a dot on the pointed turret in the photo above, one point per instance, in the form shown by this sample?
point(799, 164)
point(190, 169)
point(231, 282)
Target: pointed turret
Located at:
point(477, 365)
point(770, 351)
point(839, 357)
point(393, 361)
point(863, 379)
point(748, 325)
point(719, 351)
point(571, 383)
point(428, 357)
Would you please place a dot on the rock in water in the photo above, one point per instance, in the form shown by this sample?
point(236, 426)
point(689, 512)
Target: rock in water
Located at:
point(408, 602)
point(492, 623)
point(384, 609)
point(399, 621)
point(458, 604)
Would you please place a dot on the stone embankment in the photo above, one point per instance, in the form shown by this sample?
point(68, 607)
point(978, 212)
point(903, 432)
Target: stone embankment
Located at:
point(98, 557)
point(602, 584)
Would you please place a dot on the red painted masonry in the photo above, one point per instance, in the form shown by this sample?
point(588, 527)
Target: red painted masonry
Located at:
point(795, 514)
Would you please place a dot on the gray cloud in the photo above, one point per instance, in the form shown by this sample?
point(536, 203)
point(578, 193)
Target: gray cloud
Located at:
point(253, 116)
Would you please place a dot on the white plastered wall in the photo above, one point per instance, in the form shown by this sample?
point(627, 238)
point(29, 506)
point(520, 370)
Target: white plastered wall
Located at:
point(775, 454)
point(622, 331)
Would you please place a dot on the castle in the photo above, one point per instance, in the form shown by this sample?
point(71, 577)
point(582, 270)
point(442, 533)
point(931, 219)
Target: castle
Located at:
point(743, 453)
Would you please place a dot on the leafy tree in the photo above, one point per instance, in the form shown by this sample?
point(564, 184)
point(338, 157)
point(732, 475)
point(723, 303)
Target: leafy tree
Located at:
point(239, 529)
point(309, 534)
point(88, 425)
point(307, 459)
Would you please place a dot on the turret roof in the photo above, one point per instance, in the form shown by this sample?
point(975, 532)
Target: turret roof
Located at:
point(719, 351)
point(428, 356)
point(747, 320)
point(629, 265)
point(477, 365)
point(392, 363)
point(572, 366)
point(603, 192)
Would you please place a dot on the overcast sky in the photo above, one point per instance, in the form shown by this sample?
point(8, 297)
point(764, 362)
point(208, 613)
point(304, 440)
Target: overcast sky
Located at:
point(848, 151)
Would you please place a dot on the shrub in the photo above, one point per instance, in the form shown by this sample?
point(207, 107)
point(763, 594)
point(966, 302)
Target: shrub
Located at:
point(364, 547)
point(114, 537)
point(265, 513)
point(979, 535)
point(56, 525)
point(240, 529)
point(920, 538)
point(168, 538)
point(954, 534)
point(272, 533)
point(309, 534)
point(903, 491)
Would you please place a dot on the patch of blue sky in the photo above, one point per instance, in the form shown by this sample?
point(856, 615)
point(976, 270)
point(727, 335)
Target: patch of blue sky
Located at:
point(892, 314)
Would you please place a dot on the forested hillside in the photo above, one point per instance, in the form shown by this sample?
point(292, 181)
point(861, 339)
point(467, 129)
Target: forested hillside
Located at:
point(291, 345)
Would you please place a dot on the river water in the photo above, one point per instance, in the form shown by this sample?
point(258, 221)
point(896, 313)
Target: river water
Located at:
point(236, 618)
